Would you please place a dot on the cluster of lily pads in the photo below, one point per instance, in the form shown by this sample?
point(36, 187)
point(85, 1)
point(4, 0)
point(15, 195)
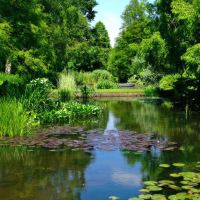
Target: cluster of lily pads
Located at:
point(183, 185)
point(64, 137)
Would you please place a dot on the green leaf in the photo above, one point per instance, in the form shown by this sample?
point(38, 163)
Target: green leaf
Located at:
point(164, 165)
point(178, 164)
point(150, 182)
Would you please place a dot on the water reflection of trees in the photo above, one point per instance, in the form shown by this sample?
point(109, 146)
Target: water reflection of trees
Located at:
point(149, 118)
point(150, 161)
point(42, 175)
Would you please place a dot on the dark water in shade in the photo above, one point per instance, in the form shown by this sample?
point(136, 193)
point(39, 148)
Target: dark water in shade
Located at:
point(74, 175)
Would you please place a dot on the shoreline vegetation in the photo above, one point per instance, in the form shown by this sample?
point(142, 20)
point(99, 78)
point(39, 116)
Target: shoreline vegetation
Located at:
point(53, 61)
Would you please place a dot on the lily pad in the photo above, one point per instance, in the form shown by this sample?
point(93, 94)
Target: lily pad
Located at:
point(144, 190)
point(184, 182)
point(158, 197)
point(174, 187)
point(145, 196)
point(154, 188)
point(187, 187)
point(165, 183)
point(179, 196)
point(151, 183)
point(164, 165)
point(178, 164)
point(175, 175)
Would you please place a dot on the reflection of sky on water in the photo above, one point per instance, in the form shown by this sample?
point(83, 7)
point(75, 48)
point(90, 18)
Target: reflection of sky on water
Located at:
point(112, 122)
point(125, 178)
point(111, 177)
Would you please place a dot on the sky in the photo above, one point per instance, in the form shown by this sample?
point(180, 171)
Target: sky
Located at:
point(109, 12)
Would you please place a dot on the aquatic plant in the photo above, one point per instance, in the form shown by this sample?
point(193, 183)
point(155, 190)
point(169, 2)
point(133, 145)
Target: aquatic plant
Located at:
point(14, 120)
point(70, 111)
point(36, 96)
point(185, 185)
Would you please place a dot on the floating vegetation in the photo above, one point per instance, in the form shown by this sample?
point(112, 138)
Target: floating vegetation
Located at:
point(150, 183)
point(178, 164)
point(175, 175)
point(60, 137)
point(153, 188)
point(164, 165)
point(185, 185)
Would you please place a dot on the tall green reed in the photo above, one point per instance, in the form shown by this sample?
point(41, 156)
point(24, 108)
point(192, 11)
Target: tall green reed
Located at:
point(14, 120)
point(67, 86)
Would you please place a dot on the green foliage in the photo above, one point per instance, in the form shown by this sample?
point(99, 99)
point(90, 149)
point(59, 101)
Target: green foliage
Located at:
point(86, 91)
point(43, 37)
point(70, 111)
point(168, 82)
point(5, 47)
point(185, 187)
point(153, 50)
point(28, 65)
point(119, 64)
point(102, 75)
point(84, 78)
point(67, 86)
point(151, 91)
point(10, 78)
point(101, 37)
point(14, 120)
point(192, 59)
point(87, 57)
point(65, 95)
point(36, 96)
point(106, 84)
point(136, 81)
point(95, 79)
point(11, 85)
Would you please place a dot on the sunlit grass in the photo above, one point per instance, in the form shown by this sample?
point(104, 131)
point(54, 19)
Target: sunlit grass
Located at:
point(120, 90)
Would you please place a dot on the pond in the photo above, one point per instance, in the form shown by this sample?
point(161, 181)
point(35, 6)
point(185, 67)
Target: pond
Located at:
point(74, 175)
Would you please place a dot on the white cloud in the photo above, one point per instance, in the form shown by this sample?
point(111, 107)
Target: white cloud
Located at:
point(126, 178)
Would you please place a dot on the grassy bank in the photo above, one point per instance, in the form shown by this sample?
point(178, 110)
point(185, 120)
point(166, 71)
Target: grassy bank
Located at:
point(120, 90)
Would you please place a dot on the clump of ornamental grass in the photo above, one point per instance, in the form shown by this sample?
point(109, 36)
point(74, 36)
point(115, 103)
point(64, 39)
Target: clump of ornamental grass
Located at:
point(66, 86)
point(14, 120)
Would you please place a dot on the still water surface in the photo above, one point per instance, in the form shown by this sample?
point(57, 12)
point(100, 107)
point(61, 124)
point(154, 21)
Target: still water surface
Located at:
point(72, 175)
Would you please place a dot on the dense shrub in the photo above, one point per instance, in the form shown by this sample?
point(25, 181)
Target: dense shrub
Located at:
point(11, 85)
point(86, 91)
point(102, 75)
point(151, 91)
point(136, 81)
point(168, 82)
point(106, 84)
point(14, 120)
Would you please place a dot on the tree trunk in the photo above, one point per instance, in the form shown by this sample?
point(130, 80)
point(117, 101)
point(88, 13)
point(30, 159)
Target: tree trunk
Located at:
point(8, 67)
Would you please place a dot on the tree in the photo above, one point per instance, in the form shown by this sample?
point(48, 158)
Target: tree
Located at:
point(43, 31)
point(100, 35)
point(6, 44)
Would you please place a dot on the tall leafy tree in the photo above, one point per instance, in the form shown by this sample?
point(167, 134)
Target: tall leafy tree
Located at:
point(100, 35)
